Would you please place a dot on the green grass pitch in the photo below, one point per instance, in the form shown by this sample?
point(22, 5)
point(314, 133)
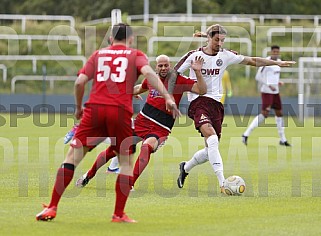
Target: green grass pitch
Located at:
point(283, 195)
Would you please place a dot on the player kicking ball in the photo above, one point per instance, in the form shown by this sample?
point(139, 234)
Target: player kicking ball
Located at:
point(207, 111)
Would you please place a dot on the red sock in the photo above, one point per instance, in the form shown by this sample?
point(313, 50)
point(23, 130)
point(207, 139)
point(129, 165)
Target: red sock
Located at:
point(101, 160)
point(123, 186)
point(63, 178)
point(142, 160)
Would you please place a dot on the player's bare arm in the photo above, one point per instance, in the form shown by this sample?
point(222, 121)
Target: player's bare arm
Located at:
point(172, 76)
point(199, 87)
point(259, 61)
point(79, 90)
point(272, 88)
point(138, 89)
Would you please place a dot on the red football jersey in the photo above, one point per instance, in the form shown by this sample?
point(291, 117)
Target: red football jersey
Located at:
point(183, 84)
point(114, 71)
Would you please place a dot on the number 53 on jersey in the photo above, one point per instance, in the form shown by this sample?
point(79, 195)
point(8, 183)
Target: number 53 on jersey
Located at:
point(104, 72)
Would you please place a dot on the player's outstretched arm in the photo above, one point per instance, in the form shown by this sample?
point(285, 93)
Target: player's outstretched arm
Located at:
point(259, 61)
point(172, 77)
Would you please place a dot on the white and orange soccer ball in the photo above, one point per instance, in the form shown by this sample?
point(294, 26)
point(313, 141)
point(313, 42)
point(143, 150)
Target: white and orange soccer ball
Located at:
point(234, 185)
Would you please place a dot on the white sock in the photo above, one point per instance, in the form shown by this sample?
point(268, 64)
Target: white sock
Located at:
point(114, 163)
point(280, 124)
point(198, 158)
point(215, 158)
point(255, 123)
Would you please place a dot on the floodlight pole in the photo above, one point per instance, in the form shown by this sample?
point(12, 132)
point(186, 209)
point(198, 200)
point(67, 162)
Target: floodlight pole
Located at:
point(146, 11)
point(115, 17)
point(189, 7)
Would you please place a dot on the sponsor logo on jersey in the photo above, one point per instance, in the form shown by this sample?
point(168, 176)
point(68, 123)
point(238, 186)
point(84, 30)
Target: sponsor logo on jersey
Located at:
point(154, 93)
point(219, 62)
point(210, 71)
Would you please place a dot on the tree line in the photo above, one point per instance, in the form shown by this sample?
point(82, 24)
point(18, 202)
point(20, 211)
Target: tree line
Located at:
point(89, 10)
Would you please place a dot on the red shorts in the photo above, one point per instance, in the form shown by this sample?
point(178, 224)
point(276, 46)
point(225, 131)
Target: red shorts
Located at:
point(271, 100)
point(145, 128)
point(205, 110)
point(101, 121)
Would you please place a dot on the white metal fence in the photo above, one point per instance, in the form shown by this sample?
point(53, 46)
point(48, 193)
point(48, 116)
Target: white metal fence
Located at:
point(25, 18)
point(309, 87)
point(47, 38)
point(36, 58)
point(50, 78)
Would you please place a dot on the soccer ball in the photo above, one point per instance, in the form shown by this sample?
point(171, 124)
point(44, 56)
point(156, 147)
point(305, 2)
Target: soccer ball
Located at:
point(234, 185)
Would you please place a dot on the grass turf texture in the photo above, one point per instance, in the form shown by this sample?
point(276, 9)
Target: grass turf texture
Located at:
point(283, 195)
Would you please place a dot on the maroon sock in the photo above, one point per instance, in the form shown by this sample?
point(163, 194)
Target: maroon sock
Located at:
point(63, 178)
point(101, 160)
point(142, 160)
point(123, 186)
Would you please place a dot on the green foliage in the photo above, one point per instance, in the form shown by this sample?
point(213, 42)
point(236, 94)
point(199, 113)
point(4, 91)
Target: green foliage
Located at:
point(100, 8)
point(242, 86)
point(98, 38)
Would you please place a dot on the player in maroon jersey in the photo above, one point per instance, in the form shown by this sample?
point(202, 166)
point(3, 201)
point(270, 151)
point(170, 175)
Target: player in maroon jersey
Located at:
point(153, 124)
point(207, 111)
point(107, 113)
point(269, 82)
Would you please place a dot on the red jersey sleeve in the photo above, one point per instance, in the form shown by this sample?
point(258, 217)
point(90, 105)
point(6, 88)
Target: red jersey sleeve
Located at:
point(145, 84)
point(183, 84)
point(81, 71)
point(89, 68)
point(141, 60)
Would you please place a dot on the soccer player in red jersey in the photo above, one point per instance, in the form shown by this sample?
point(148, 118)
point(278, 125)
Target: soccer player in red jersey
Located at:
point(153, 124)
point(107, 113)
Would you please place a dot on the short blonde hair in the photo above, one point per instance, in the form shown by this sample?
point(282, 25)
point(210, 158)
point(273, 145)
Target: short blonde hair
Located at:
point(162, 56)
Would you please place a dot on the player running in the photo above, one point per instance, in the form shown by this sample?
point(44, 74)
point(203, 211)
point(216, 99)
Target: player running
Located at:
point(153, 124)
point(107, 113)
